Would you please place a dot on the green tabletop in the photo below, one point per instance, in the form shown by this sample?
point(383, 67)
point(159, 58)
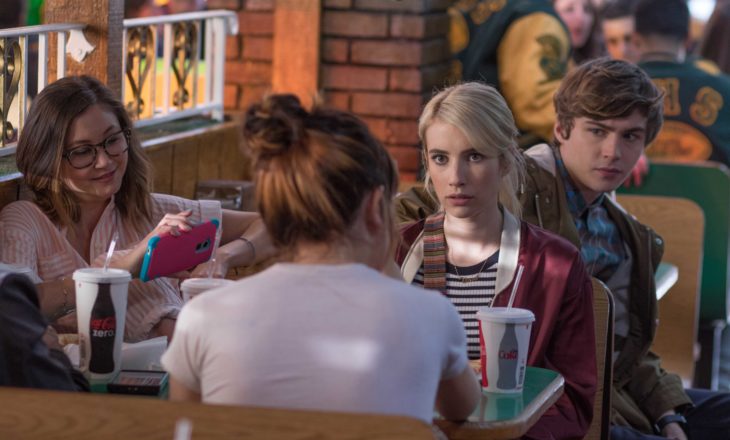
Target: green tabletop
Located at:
point(509, 415)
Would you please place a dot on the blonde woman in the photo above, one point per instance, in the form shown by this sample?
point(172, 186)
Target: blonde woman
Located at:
point(474, 247)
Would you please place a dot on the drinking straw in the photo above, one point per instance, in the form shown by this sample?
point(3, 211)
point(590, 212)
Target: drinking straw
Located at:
point(183, 429)
point(109, 253)
point(211, 267)
point(514, 287)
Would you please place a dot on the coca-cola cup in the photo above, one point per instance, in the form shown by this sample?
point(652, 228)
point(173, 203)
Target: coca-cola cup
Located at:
point(101, 306)
point(193, 287)
point(504, 337)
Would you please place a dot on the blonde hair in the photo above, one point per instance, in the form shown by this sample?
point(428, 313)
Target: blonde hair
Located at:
point(484, 118)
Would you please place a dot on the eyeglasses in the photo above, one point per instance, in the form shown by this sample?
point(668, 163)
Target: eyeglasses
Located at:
point(85, 155)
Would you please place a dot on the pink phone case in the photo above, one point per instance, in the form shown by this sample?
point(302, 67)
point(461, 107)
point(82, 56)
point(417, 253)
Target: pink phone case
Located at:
point(167, 254)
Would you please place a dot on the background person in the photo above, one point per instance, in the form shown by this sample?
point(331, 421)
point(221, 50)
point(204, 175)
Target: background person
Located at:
point(472, 248)
point(325, 330)
point(581, 20)
point(697, 94)
point(715, 43)
point(30, 354)
point(617, 24)
point(90, 179)
point(521, 47)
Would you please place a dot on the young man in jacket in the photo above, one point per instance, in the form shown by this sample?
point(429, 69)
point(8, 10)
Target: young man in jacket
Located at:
point(608, 111)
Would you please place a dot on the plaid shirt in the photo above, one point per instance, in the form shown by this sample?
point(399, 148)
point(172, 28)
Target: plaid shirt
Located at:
point(602, 248)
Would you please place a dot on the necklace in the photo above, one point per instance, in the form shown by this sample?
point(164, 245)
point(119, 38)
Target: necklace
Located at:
point(466, 279)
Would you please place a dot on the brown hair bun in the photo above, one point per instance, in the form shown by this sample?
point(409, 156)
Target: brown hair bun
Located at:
point(274, 125)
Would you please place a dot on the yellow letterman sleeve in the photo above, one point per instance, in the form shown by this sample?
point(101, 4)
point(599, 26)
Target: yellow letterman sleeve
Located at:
point(532, 60)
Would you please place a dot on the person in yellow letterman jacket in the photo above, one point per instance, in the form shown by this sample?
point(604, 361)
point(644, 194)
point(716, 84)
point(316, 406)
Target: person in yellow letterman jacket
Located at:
point(519, 46)
point(697, 94)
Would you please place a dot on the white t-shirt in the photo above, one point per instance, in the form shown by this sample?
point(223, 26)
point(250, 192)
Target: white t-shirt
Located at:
point(328, 337)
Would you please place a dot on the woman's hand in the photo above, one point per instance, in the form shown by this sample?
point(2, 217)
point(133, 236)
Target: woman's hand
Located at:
point(216, 267)
point(173, 224)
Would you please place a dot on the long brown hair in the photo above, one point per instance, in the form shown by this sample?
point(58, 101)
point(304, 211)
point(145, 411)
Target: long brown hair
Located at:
point(313, 169)
point(40, 149)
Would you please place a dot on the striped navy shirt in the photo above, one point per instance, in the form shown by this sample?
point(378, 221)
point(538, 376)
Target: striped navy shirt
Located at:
point(469, 295)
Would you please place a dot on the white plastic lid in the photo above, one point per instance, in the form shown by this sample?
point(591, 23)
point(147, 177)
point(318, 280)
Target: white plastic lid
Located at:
point(99, 275)
point(508, 315)
point(193, 286)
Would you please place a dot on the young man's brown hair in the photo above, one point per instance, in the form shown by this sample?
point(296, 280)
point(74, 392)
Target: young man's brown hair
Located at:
point(608, 89)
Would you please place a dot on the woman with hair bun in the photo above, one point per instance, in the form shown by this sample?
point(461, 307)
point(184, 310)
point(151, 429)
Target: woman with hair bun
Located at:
point(478, 253)
point(325, 330)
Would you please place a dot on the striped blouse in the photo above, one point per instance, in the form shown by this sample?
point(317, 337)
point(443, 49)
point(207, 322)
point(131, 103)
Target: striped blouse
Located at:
point(469, 288)
point(28, 238)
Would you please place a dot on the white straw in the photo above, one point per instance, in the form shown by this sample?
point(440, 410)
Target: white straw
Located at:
point(109, 253)
point(183, 429)
point(212, 265)
point(514, 287)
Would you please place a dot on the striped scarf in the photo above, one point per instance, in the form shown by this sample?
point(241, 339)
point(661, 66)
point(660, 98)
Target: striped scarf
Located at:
point(434, 253)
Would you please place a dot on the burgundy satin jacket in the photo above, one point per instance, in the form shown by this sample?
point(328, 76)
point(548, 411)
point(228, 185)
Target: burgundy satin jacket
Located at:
point(557, 289)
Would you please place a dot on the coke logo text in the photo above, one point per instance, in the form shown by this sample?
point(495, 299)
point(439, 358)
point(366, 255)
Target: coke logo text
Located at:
point(108, 323)
point(511, 355)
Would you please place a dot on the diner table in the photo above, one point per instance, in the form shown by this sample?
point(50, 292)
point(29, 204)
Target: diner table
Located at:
point(508, 416)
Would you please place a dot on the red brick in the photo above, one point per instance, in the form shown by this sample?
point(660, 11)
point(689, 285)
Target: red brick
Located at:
point(408, 158)
point(401, 131)
point(233, 47)
point(354, 77)
point(248, 72)
point(252, 94)
point(405, 80)
point(378, 126)
point(387, 104)
point(259, 5)
point(403, 5)
point(335, 50)
point(230, 96)
point(354, 24)
point(234, 5)
point(394, 131)
point(418, 80)
point(419, 26)
point(258, 48)
point(338, 4)
point(339, 100)
point(386, 53)
point(256, 23)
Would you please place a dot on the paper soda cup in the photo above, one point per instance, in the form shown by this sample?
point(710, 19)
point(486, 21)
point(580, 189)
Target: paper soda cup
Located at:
point(195, 286)
point(504, 338)
point(101, 308)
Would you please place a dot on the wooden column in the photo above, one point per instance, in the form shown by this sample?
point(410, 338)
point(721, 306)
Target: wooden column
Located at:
point(104, 21)
point(296, 48)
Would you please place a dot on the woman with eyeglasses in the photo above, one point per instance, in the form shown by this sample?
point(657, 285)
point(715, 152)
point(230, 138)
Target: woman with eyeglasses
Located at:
point(90, 179)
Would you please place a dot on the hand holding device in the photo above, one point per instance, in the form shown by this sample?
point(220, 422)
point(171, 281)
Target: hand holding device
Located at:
point(167, 253)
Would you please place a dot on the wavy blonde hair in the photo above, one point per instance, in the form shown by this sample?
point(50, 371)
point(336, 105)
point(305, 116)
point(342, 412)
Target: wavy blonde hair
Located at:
point(486, 121)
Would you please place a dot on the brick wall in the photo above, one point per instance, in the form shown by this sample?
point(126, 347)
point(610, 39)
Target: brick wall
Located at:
point(248, 54)
point(381, 59)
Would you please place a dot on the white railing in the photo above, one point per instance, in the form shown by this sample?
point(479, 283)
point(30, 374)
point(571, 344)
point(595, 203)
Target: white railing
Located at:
point(183, 63)
point(14, 70)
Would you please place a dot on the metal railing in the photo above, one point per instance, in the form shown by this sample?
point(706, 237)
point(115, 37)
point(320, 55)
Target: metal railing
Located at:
point(186, 66)
point(14, 60)
point(186, 80)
